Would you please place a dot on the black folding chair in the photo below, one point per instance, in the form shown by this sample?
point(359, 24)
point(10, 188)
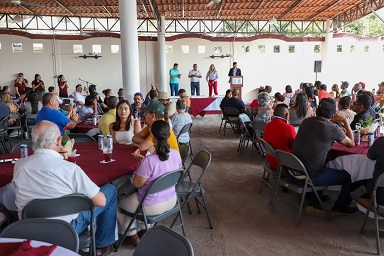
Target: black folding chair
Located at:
point(232, 118)
point(81, 138)
point(268, 170)
point(186, 129)
point(4, 137)
point(258, 130)
point(162, 183)
point(66, 205)
point(161, 240)
point(245, 134)
point(50, 231)
point(18, 145)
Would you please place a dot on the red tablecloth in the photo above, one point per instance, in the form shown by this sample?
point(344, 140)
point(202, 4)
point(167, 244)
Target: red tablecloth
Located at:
point(341, 150)
point(198, 105)
point(89, 161)
point(83, 127)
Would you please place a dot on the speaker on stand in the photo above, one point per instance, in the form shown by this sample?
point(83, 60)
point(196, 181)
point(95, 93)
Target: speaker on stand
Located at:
point(317, 67)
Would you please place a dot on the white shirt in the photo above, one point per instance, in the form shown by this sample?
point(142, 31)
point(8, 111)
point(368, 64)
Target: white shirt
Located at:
point(44, 175)
point(212, 76)
point(79, 97)
point(194, 72)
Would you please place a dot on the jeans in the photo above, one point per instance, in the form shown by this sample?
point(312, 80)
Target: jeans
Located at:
point(330, 177)
point(174, 89)
point(105, 218)
point(195, 86)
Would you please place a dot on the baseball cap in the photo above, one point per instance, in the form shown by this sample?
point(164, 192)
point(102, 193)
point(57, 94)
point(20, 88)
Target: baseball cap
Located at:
point(362, 84)
point(155, 107)
point(326, 108)
point(345, 83)
point(163, 96)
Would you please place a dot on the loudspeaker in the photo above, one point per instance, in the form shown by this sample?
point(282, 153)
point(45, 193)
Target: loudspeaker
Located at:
point(317, 67)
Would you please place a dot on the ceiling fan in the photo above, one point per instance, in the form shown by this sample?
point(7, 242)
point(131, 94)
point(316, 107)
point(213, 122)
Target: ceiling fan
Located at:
point(20, 2)
point(213, 2)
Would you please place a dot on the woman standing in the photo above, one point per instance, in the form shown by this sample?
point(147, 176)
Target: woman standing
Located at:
point(211, 78)
point(125, 126)
point(20, 88)
point(63, 86)
point(38, 84)
point(162, 161)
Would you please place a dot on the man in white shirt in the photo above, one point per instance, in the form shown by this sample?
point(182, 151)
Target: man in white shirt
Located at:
point(79, 98)
point(195, 76)
point(45, 174)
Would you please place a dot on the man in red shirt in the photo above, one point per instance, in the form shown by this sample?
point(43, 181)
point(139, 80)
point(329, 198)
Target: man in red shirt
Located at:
point(323, 92)
point(279, 133)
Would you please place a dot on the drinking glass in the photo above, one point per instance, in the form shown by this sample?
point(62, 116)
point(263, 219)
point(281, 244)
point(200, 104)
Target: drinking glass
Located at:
point(358, 126)
point(107, 155)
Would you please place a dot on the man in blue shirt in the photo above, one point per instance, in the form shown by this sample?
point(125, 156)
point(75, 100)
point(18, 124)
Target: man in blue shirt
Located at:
point(174, 75)
point(50, 112)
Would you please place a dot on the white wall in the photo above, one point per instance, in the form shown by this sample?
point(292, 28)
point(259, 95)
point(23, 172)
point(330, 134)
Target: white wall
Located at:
point(259, 69)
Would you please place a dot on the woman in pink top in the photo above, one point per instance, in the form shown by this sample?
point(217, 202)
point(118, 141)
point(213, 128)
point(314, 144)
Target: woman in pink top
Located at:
point(162, 161)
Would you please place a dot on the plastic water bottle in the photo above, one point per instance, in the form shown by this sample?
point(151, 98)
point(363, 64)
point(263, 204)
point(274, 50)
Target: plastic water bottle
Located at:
point(94, 119)
point(370, 138)
point(100, 142)
point(110, 142)
point(24, 150)
point(356, 137)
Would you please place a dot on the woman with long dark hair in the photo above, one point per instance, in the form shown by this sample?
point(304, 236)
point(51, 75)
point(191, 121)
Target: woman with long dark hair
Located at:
point(125, 126)
point(32, 104)
point(38, 84)
point(300, 109)
point(162, 161)
point(63, 86)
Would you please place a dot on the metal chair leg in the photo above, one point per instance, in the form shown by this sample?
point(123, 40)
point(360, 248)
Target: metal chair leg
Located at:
point(206, 211)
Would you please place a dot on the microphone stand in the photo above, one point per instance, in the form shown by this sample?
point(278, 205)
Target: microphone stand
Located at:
point(85, 82)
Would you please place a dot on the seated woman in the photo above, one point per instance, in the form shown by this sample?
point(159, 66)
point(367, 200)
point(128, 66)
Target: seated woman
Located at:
point(125, 126)
point(344, 106)
point(264, 109)
point(6, 98)
point(32, 105)
point(20, 88)
point(162, 161)
point(180, 120)
point(228, 95)
point(279, 99)
point(288, 95)
point(300, 110)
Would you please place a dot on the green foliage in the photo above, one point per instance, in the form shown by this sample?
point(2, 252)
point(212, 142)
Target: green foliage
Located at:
point(369, 26)
point(365, 123)
point(65, 138)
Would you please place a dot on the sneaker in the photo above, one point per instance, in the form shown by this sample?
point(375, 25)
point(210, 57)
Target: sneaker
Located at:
point(345, 212)
point(317, 211)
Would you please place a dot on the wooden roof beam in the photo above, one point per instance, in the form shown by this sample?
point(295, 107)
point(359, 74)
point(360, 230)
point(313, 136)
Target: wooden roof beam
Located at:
point(221, 7)
point(290, 9)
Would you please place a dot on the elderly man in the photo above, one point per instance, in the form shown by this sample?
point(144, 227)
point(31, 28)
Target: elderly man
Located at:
point(312, 144)
point(279, 133)
point(50, 111)
point(45, 174)
point(154, 111)
point(109, 117)
point(138, 105)
point(362, 108)
point(170, 106)
point(235, 102)
point(78, 97)
point(356, 88)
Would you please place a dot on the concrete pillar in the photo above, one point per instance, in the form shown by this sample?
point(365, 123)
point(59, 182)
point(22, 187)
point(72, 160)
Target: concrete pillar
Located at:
point(162, 65)
point(129, 48)
point(327, 50)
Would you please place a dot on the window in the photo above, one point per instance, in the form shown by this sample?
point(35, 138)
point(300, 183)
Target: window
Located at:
point(217, 50)
point(168, 49)
point(38, 48)
point(96, 48)
point(366, 48)
point(246, 48)
point(201, 48)
point(291, 49)
point(316, 48)
point(77, 48)
point(276, 48)
point(339, 48)
point(185, 49)
point(261, 48)
point(115, 48)
point(17, 47)
point(352, 48)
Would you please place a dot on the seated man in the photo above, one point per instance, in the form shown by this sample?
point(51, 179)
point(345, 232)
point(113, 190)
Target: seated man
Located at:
point(109, 117)
point(180, 120)
point(101, 106)
point(235, 102)
point(362, 108)
point(138, 105)
point(52, 89)
point(183, 95)
point(312, 144)
point(279, 133)
point(78, 97)
point(154, 111)
point(89, 108)
point(323, 92)
point(45, 174)
point(50, 112)
point(170, 106)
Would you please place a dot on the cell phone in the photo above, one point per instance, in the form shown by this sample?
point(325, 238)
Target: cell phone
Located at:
point(8, 160)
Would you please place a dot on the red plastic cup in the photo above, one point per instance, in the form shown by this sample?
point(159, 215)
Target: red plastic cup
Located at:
point(72, 159)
